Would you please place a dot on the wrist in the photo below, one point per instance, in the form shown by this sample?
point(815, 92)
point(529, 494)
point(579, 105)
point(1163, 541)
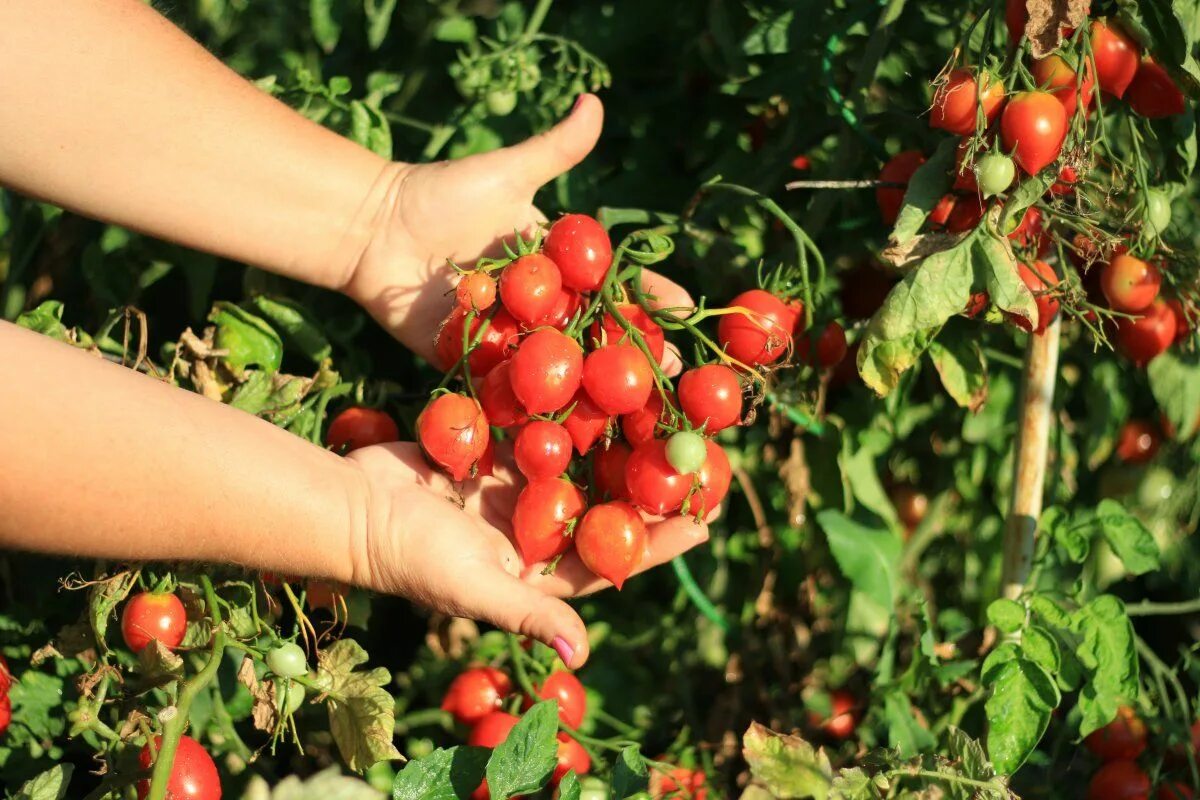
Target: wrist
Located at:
point(359, 506)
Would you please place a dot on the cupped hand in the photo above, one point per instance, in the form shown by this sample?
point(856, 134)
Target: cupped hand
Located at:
point(448, 548)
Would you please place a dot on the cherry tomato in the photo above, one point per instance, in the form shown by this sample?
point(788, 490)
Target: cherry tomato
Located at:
point(565, 305)
point(681, 783)
point(1138, 441)
point(611, 540)
point(1144, 338)
point(911, 505)
point(500, 405)
point(618, 378)
point(760, 334)
point(1039, 278)
point(571, 756)
point(1119, 780)
point(500, 102)
point(544, 510)
point(830, 349)
point(977, 303)
point(609, 330)
point(942, 211)
point(713, 480)
point(643, 425)
point(1117, 57)
point(1123, 738)
point(1033, 128)
point(580, 247)
point(475, 291)
point(686, 452)
point(475, 693)
point(153, 615)
point(1056, 76)
point(360, 427)
point(496, 344)
point(566, 690)
point(843, 717)
point(6, 678)
point(994, 173)
point(453, 432)
point(586, 423)
point(966, 214)
point(654, 485)
point(542, 449)
point(710, 397)
point(608, 471)
point(5, 713)
point(193, 775)
point(957, 101)
point(287, 660)
point(1129, 283)
point(492, 730)
point(546, 371)
point(485, 467)
point(1153, 93)
point(964, 172)
point(1065, 185)
point(1158, 211)
point(529, 287)
point(898, 169)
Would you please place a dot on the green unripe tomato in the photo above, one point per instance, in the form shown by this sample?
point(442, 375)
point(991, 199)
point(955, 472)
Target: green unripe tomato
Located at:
point(686, 452)
point(529, 77)
point(994, 173)
point(1158, 484)
point(500, 102)
point(287, 660)
point(1158, 211)
point(592, 788)
point(289, 696)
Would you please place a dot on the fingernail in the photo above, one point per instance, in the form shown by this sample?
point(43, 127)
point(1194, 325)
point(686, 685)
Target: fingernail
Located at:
point(565, 651)
point(578, 100)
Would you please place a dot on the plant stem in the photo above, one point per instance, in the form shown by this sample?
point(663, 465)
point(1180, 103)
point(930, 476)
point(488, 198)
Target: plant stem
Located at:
point(696, 594)
point(537, 18)
point(514, 651)
point(1033, 443)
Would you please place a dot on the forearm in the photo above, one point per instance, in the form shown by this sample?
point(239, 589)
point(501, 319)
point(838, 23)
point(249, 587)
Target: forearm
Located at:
point(100, 461)
point(108, 109)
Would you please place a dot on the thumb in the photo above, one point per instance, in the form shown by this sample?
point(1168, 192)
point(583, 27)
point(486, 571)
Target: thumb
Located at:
point(507, 602)
point(548, 155)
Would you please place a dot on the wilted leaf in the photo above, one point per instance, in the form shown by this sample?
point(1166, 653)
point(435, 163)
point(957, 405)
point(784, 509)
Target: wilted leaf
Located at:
point(959, 363)
point(362, 715)
point(1047, 18)
point(927, 185)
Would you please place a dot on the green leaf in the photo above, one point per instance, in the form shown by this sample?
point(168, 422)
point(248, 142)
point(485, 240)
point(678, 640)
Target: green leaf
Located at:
point(522, 763)
point(1007, 615)
point(455, 29)
point(248, 339)
point(926, 187)
point(325, 26)
point(254, 392)
point(1022, 696)
point(630, 774)
point(37, 703)
point(1026, 194)
point(327, 785)
point(1128, 538)
point(995, 269)
point(569, 788)
point(1107, 653)
point(1106, 409)
point(960, 364)
point(49, 785)
point(1000, 656)
point(1175, 382)
point(299, 330)
point(786, 765)
point(769, 36)
point(970, 760)
point(904, 733)
point(444, 774)
point(1040, 646)
point(362, 715)
point(868, 557)
point(379, 20)
point(852, 784)
point(46, 319)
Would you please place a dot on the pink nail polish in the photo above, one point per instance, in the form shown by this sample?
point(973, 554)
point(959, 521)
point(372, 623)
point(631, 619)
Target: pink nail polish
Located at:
point(565, 651)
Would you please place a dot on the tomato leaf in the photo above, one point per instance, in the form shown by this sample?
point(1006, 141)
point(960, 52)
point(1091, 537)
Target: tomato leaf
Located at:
point(46, 319)
point(325, 26)
point(362, 715)
point(996, 271)
point(1107, 408)
point(630, 775)
point(852, 784)
point(867, 557)
point(103, 598)
point(904, 733)
point(1128, 538)
point(379, 20)
point(1175, 382)
point(1040, 646)
point(1007, 615)
point(785, 764)
point(522, 763)
point(327, 785)
point(1022, 696)
point(927, 185)
point(300, 332)
point(49, 785)
point(769, 36)
point(444, 774)
point(569, 788)
point(247, 339)
point(1028, 192)
point(1108, 656)
point(960, 364)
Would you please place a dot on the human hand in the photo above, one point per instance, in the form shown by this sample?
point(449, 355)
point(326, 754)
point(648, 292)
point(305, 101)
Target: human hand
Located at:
point(450, 551)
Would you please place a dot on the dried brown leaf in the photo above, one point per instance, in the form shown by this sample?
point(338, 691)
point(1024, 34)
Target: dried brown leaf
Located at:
point(907, 255)
point(1047, 21)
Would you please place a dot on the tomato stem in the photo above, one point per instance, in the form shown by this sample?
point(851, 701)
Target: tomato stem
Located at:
point(696, 594)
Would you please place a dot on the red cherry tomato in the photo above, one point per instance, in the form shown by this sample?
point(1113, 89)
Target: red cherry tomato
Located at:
point(542, 449)
point(609, 330)
point(608, 471)
point(476, 692)
point(713, 479)
point(566, 690)
point(492, 729)
point(475, 291)
point(565, 305)
point(1056, 76)
point(654, 485)
point(580, 247)
point(957, 101)
point(153, 615)
point(1129, 283)
point(6, 678)
point(360, 427)
point(1117, 57)
point(643, 425)
point(941, 212)
point(1040, 279)
point(977, 303)
point(618, 378)
point(711, 397)
point(760, 334)
point(5, 713)
point(193, 775)
point(1144, 338)
point(1119, 780)
point(496, 344)
point(1153, 93)
point(586, 423)
point(544, 509)
point(529, 287)
point(611, 540)
point(1030, 231)
point(681, 783)
point(453, 432)
point(485, 467)
point(546, 371)
point(965, 180)
point(830, 349)
point(911, 505)
point(966, 214)
point(898, 169)
point(571, 756)
point(1065, 185)
point(500, 405)
point(843, 718)
point(1137, 443)
point(1033, 128)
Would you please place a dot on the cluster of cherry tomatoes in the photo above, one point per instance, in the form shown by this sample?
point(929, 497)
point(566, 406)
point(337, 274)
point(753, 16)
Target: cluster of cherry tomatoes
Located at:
point(1118, 745)
point(563, 359)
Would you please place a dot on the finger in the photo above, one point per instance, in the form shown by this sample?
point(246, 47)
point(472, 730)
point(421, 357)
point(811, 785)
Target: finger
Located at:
point(672, 362)
point(544, 157)
point(666, 292)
